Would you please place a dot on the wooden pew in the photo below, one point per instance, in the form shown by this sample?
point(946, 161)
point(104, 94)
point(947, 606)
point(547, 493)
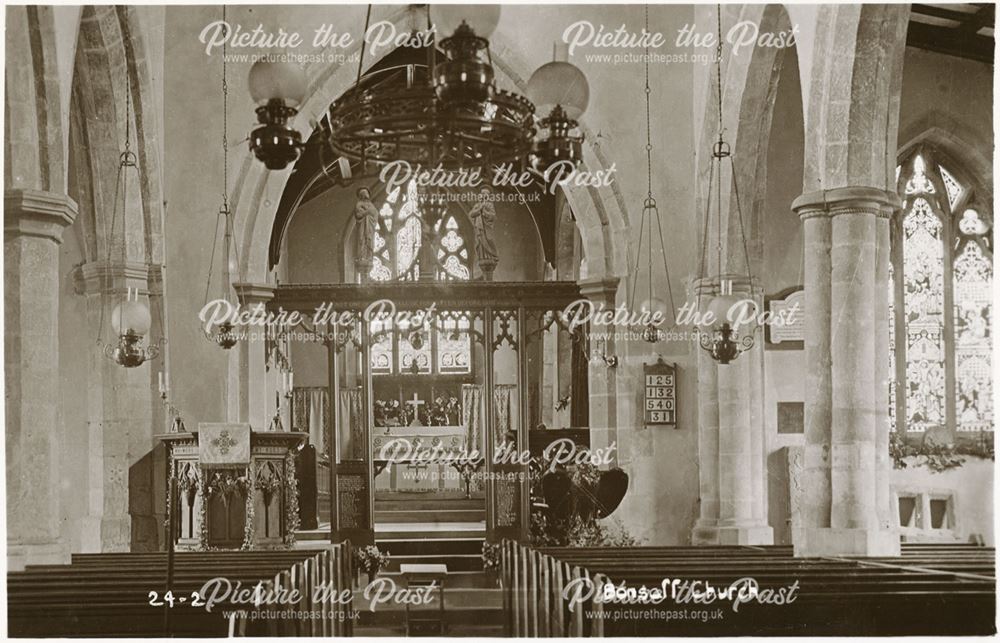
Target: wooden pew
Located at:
point(928, 590)
point(109, 594)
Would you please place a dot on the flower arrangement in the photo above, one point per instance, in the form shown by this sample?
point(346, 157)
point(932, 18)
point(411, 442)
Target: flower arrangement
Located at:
point(387, 412)
point(491, 557)
point(371, 559)
point(441, 412)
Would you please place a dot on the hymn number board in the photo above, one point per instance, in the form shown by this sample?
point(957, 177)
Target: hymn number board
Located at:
point(660, 397)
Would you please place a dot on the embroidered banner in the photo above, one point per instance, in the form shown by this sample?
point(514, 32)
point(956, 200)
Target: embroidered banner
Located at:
point(223, 445)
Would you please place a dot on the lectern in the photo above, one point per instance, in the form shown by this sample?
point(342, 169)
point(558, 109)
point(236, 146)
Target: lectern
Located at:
point(236, 488)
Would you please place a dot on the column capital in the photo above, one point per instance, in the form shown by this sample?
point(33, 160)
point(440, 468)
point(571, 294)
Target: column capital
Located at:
point(847, 200)
point(37, 213)
point(105, 276)
point(250, 293)
point(599, 289)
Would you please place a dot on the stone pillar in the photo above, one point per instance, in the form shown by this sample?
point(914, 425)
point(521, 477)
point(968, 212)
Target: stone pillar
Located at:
point(251, 361)
point(602, 378)
point(844, 464)
point(708, 449)
point(119, 412)
point(730, 441)
point(33, 226)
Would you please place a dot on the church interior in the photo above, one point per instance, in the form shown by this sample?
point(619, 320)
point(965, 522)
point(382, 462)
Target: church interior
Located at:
point(505, 299)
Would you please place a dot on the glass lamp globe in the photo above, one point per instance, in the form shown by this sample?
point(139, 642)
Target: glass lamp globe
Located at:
point(731, 309)
point(481, 18)
point(653, 306)
point(272, 80)
point(130, 318)
point(720, 306)
point(559, 83)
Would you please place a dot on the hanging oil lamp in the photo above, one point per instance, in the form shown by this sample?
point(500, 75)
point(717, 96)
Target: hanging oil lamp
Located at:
point(723, 341)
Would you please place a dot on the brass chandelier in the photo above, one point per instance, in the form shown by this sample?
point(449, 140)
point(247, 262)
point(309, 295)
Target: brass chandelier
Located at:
point(446, 113)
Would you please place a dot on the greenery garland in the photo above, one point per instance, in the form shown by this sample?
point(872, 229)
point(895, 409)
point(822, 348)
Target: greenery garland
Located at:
point(249, 531)
point(291, 500)
point(937, 457)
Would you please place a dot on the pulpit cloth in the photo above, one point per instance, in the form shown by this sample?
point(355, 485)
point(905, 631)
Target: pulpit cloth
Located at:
point(222, 445)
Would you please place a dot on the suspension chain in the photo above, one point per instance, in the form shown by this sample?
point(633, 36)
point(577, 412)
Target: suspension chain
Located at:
point(225, 117)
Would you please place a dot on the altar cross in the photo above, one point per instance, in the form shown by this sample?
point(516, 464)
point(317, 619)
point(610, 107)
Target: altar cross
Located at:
point(415, 403)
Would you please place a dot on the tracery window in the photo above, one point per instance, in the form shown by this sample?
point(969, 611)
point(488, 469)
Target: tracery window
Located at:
point(939, 301)
point(446, 348)
point(397, 255)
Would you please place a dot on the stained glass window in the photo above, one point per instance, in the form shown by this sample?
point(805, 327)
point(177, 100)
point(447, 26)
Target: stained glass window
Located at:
point(452, 254)
point(381, 347)
point(414, 350)
point(951, 186)
point(973, 278)
point(442, 349)
point(454, 346)
point(940, 360)
point(398, 256)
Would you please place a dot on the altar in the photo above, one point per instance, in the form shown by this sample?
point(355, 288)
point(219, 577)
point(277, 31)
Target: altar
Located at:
point(421, 459)
point(233, 488)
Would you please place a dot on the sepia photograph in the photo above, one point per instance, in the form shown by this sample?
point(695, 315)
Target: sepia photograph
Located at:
point(499, 320)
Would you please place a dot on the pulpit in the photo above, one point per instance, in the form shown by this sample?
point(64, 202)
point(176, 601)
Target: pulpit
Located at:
point(235, 488)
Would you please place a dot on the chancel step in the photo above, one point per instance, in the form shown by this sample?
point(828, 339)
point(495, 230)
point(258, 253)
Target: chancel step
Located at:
point(430, 516)
point(433, 503)
point(420, 546)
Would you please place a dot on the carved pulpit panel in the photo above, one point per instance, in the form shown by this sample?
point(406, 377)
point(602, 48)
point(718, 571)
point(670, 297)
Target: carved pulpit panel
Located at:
point(236, 489)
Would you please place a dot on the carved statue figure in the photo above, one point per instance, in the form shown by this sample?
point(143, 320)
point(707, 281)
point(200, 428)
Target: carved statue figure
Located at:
point(366, 220)
point(484, 217)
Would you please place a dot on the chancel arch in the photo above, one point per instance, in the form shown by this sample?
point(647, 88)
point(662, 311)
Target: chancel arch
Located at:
point(597, 215)
point(429, 381)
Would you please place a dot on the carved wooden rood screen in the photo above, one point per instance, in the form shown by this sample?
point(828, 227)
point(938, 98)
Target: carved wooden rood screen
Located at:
point(502, 323)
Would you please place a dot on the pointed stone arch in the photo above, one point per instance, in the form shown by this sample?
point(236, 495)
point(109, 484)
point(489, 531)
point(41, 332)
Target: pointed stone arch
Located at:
point(853, 106)
point(749, 87)
point(33, 149)
point(946, 134)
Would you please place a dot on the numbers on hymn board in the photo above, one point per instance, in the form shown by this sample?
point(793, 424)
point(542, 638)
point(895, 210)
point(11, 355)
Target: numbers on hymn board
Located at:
point(168, 599)
point(660, 399)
